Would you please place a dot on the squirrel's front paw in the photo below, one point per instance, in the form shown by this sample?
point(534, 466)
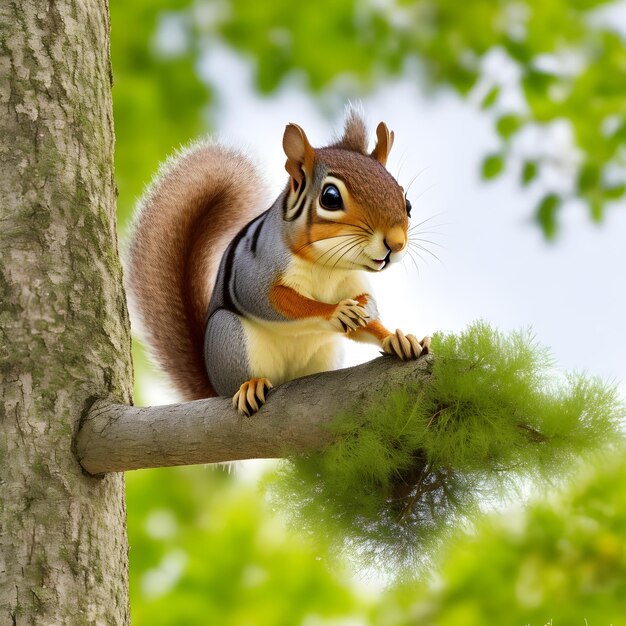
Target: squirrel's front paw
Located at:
point(405, 347)
point(349, 315)
point(251, 395)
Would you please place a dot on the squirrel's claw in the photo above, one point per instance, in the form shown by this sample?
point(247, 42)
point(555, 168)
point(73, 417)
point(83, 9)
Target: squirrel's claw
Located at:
point(349, 315)
point(251, 395)
point(405, 347)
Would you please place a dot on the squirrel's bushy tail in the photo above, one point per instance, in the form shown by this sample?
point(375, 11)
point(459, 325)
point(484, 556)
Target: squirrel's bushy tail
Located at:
point(196, 204)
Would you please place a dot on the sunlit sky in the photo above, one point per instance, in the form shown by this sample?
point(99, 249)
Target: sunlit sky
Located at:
point(493, 262)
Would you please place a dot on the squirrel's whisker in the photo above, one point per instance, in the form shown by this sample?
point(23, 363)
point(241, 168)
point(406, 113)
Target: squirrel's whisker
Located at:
point(311, 243)
point(432, 243)
point(417, 247)
point(408, 187)
point(353, 246)
point(339, 247)
point(410, 255)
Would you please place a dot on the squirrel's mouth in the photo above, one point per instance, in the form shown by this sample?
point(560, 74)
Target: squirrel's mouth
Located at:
point(383, 263)
point(380, 264)
point(377, 265)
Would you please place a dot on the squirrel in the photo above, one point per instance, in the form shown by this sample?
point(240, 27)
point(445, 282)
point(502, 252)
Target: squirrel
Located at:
point(233, 300)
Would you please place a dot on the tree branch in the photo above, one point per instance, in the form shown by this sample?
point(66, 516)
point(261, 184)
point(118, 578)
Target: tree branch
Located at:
point(116, 437)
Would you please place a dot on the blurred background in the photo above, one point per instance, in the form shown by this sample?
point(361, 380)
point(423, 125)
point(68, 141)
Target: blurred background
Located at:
point(510, 122)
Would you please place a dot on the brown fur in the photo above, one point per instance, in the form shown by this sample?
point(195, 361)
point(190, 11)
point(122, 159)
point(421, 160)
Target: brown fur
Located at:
point(296, 306)
point(376, 329)
point(354, 136)
point(370, 185)
point(196, 205)
point(375, 201)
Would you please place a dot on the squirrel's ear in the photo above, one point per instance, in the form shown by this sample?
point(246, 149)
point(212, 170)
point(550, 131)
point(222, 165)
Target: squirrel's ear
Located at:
point(383, 144)
point(300, 154)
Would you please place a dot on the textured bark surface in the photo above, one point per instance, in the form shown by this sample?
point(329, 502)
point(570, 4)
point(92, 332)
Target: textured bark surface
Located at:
point(114, 437)
point(63, 322)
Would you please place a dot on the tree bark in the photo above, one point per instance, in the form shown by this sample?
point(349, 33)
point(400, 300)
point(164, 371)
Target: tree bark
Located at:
point(63, 323)
point(115, 437)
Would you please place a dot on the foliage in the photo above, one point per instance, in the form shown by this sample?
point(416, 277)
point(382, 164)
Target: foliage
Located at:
point(200, 548)
point(561, 66)
point(397, 477)
point(562, 562)
point(206, 551)
point(158, 98)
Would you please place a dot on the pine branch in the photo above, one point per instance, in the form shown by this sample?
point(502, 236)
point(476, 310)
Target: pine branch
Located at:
point(116, 437)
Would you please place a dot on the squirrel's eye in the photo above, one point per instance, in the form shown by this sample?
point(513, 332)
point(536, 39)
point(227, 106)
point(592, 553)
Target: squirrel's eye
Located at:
point(408, 207)
point(331, 198)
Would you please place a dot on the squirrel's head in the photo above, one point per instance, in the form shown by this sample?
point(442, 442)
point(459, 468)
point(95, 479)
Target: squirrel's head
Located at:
point(345, 210)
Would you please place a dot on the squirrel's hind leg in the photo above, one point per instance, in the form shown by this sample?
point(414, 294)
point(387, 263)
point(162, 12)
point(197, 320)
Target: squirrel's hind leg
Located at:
point(226, 352)
point(227, 362)
point(251, 395)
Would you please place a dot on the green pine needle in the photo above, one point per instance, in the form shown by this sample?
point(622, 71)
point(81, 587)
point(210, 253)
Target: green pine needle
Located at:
point(397, 479)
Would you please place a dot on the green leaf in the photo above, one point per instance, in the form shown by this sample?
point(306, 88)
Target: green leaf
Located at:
point(508, 125)
point(529, 172)
point(546, 214)
point(615, 192)
point(596, 210)
point(538, 82)
point(492, 166)
point(518, 50)
point(491, 97)
point(589, 177)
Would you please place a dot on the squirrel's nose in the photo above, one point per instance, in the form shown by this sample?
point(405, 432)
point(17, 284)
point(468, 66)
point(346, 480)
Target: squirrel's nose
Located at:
point(395, 239)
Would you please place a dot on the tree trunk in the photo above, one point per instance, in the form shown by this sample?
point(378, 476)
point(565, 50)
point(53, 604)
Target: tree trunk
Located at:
point(64, 335)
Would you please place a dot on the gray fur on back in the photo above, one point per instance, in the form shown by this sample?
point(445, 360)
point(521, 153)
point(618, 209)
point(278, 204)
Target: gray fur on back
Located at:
point(250, 267)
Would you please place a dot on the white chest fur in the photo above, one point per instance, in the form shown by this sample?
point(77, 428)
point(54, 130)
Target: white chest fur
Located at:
point(323, 283)
point(282, 351)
